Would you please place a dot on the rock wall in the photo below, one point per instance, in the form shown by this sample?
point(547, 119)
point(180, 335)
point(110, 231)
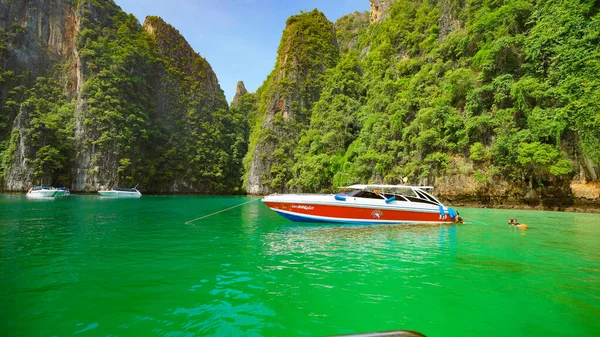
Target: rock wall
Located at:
point(348, 29)
point(44, 33)
point(189, 98)
point(21, 174)
point(240, 90)
point(40, 39)
point(145, 107)
point(307, 49)
point(380, 9)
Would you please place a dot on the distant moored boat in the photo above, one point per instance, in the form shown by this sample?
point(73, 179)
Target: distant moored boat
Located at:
point(119, 192)
point(62, 192)
point(42, 192)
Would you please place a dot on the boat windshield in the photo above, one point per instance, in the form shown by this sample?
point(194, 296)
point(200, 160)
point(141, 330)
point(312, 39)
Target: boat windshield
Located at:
point(36, 188)
point(124, 189)
point(349, 193)
point(401, 193)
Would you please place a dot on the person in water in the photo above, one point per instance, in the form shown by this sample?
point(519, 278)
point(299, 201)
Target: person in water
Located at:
point(458, 218)
point(514, 222)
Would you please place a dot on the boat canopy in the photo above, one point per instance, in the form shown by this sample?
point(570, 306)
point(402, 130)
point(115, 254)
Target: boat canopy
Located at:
point(122, 189)
point(391, 193)
point(35, 188)
point(366, 187)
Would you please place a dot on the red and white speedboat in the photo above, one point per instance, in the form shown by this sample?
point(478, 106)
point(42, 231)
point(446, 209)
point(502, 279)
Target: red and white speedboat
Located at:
point(364, 204)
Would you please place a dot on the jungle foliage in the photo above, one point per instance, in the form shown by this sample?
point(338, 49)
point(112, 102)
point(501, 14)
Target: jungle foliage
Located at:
point(512, 90)
point(147, 112)
point(285, 100)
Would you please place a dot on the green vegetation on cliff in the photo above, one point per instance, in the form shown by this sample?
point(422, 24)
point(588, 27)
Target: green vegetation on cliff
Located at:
point(202, 147)
point(148, 109)
point(118, 64)
point(42, 115)
point(284, 102)
point(509, 94)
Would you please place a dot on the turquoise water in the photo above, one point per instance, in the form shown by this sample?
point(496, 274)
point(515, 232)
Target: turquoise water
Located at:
point(98, 267)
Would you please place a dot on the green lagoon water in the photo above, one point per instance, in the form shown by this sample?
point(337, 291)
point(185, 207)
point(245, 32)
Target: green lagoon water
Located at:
point(87, 266)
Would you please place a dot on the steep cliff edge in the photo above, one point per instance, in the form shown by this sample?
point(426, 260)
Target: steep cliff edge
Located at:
point(198, 131)
point(38, 79)
point(348, 28)
point(307, 49)
point(380, 9)
point(240, 90)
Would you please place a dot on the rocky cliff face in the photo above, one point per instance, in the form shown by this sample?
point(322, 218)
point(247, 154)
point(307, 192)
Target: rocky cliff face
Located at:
point(134, 104)
point(189, 93)
point(42, 34)
point(348, 29)
point(38, 38)
point(21, 172)
point(308, 47)
point(380, 9)
point(240, 90)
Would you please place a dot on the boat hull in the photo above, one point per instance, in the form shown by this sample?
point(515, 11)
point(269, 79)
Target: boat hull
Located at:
point(42, 194)
point(328, 209)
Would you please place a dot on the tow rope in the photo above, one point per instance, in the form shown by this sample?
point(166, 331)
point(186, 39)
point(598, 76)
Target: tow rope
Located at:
point(223, 210)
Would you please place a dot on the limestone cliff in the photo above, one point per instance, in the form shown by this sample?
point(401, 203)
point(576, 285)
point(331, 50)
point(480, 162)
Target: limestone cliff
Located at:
point(37, 42)
point(90, 98)
point(240, 90)
point(307, 49)
point(348, 28)
point(380, 9)
point(189, 106)
point(40, 33)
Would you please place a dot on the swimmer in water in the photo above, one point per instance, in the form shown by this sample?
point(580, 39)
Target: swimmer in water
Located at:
point(458, 218)
point(514, 222)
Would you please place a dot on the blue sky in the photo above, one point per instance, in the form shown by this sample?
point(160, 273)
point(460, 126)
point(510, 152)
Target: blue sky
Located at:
point(239, 38)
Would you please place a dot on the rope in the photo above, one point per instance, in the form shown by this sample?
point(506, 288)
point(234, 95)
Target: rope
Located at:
point(223, 210)
point(477, 222)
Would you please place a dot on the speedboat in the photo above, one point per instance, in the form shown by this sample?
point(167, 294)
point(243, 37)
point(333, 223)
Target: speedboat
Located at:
point(41, 192)
point(118, 192)
point(62, 192)
point(364, 204)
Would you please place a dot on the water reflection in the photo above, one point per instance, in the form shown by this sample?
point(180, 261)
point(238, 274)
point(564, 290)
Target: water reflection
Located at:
point(361, 239)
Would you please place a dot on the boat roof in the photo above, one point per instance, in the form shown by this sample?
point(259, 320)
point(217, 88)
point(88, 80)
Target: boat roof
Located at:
point(364, 187)
point(41, 186)
point(124, 189)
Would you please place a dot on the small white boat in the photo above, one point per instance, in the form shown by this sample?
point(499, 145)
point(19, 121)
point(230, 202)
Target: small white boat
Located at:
point(42, 192)
point(118, 192)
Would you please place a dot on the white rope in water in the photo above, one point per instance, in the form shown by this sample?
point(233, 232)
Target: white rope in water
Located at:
point(223, 210)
